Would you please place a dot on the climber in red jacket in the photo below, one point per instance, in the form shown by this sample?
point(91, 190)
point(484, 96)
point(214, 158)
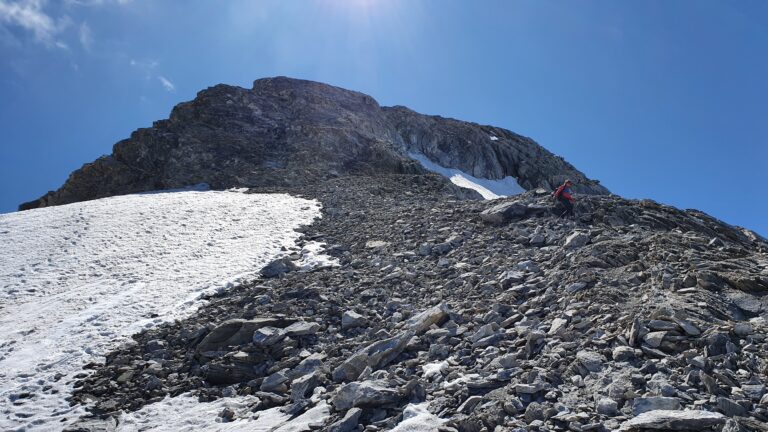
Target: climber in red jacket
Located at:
point(563, 195)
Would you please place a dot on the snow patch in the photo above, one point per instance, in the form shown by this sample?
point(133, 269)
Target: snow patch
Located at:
point(494, 138)
point(434, 370)
point(489, 189)
point(77, 280)
point(184, 412)
point(312, 257)
point(416, 418)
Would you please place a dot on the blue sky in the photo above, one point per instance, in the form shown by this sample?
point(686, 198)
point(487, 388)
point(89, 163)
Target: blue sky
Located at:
point(665, 100)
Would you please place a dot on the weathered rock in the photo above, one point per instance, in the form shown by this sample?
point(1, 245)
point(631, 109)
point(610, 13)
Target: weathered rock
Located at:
point(352, 319)
point(557, 327)
point(302, 328)
point(661, 325)
point(623, 353)
point(348, 423)
point(653, 403)
point(576, 240)
point(654, 339)
point(591, 360)
point(367, 394)
point(307, 366)
point(275, 383)
point(674, 421)
point(302, 387)
point(236, 332)
point(469, 405)
point(688, 327)
point(267, 336)
point(730, 408)
point(156, 345)
point(742, 329)
point(278, 267)
point(503, 213)
point(607, 407)
point(575, 287)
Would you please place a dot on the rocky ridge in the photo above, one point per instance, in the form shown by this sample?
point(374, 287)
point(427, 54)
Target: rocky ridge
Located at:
point(500, 316)
point(289, 133)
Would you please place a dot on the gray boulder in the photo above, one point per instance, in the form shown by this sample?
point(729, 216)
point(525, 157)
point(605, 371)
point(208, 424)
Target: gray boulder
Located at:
point(348, 423)
point(674, 421)
point(645, 404)
point(278, 267)
point(268, 336)
point(352, 319)
point(591, 360)
point(302, 328)
point(576, 240)
point(367, 394)
point(503, 213)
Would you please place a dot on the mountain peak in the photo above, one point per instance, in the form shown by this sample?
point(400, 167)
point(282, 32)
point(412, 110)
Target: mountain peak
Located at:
point(287, 131)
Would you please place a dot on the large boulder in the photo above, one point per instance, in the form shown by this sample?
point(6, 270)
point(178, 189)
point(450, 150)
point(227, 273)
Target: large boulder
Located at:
point(645, 404)
point(674, 421)
point(367, 394)
point(506, 212)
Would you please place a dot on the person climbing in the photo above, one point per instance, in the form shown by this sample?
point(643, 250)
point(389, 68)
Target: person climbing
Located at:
point(563, 195)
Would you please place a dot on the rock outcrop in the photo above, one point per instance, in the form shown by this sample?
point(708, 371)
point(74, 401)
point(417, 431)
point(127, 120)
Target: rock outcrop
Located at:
point(289, 132)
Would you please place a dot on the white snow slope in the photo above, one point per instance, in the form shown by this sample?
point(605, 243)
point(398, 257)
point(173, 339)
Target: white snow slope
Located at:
point(77, 280)
point(489, 189)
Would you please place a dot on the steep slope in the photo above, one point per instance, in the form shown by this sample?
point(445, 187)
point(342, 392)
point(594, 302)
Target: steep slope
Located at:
point(289, 132)
point(485, 314)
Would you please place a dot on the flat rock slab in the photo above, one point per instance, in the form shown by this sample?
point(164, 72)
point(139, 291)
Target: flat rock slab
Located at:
point(369, 394)
point(655, 403)
point(674, 421)
point(508, 211)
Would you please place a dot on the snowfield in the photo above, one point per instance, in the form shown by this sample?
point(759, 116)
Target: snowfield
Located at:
point(78, 280)
point(489, 189)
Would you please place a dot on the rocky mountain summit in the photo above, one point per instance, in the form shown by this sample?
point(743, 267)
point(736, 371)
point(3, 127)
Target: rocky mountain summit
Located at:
point(292, 132)
point(496, 314)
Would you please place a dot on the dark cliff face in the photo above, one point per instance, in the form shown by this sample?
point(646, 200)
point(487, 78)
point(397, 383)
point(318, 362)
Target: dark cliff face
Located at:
point(485, 151)
point(289, 132)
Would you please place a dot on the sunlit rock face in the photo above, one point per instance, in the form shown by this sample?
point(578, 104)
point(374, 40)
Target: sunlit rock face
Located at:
point(289, 132)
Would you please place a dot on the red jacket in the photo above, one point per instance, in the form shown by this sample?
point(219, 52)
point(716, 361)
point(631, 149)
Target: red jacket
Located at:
point(564, 192)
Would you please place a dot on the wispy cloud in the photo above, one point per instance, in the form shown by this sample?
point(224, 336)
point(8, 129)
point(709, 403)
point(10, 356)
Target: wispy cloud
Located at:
point(29, 15)
point(149, 68)
point(86, 36)
point(167, 84)
point(49, 29)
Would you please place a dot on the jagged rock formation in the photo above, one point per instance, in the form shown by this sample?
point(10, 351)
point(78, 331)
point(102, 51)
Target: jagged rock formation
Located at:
point(636, 316)
point(288, 132)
